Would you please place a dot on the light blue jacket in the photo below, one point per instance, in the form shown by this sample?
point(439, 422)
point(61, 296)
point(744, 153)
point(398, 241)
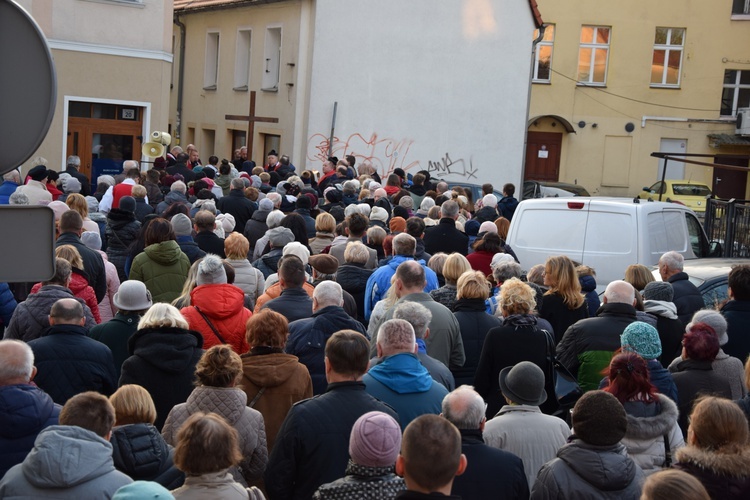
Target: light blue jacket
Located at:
point(380, 281)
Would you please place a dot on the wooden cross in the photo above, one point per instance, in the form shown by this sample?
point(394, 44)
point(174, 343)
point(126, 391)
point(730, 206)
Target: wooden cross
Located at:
point(251, 119)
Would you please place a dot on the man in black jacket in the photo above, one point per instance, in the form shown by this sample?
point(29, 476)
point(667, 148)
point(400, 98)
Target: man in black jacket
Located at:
point(181, 168)
point(205, 223)
point(687, 298)
point(236, 204)
point(71, 167)
point(737, 312)
point(71, 228)
point(293, 303)
point(444, 237)
point(312, 446)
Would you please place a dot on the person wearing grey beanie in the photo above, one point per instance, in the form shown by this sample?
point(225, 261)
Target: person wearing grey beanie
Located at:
point(657, 303)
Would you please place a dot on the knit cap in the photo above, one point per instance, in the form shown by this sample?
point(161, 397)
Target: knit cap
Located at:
point(715, 320)
point(141, 490)
point(599, 419)
point(92, 240)
point(642, 339)
point(379, 214)
point(280, 236)
point(488, 227)
point(297, 249)
point(375, 440)
point(59, 208)
point(72, 185)
point(397, 225)
point(350, 209)
point(127, 204)
point(265, 204)
point(659, 290)
point(406, 202)
point(399, 211)
point(211, 271)
point(471, 227)
point(182, 225)
point(364, 209)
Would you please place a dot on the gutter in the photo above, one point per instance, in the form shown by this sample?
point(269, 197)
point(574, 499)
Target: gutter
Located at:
point(534, 43)
point(180, 81)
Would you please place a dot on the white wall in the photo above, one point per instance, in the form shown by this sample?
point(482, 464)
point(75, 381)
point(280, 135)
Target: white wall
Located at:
point(421, 84)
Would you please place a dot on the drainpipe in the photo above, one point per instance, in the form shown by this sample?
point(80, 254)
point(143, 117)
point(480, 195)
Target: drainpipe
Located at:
point(180, 81)
point(528, 103)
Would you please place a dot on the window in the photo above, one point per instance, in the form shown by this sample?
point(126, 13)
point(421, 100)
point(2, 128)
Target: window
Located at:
point(242, 60)
point(667, 61)
point(211, 71)
point(741, 7)
point(543, 55)
point(272, 63)
point(593, 55)
point(736, 92)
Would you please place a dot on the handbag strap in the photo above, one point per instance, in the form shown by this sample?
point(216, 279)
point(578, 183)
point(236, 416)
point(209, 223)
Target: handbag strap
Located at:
point(667, 452)
point(211, 325)
point(257, 397)
point(551, 355)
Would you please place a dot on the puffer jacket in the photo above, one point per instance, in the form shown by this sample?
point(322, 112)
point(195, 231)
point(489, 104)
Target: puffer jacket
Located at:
point(224, 305)
point(474, 323)
point(8, 304)
point(163, 362)
point(274, 291)
point(139, 451)
point(230, 403)
point(210, 487)
point(25, 410)
point(107, 307)
point(586, 472)
point(726, 476)
point(80, 287)
point(163, 268)
point(248, 279)
point(687, 298)
point(353, 279)
point(31, 317)
point(380, 281)
point(362, 483)
point(284, 381)
point(269, 263)
point(122, 229)
point(647, 426)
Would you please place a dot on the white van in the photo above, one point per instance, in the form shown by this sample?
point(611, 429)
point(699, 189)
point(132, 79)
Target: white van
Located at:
point(608, 234)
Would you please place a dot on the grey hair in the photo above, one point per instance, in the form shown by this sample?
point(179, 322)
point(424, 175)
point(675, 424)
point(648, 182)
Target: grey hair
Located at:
point(712, 318)
point(15, 364)
point(18, 198)
point(506, 270)
point(404, 244)
point(449, 209)
point(620, 292)
point(275, 198)
point(364, 209)
point(464, 408)
point(328, 293)
point(673, 260)
point(105, 179)
point(396, 335)
point(163, 315)
point(178, 186)
point(129, 165)
point(417, 315)
point(237, 183)
point(73, 161)
point(13, 176)
point(427, 204)
point(441, 187)
point(356, 252)
point(274, 218)
point(349, 187)
point(208, 205)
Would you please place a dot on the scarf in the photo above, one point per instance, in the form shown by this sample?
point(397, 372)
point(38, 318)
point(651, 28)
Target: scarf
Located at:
point(517, 320)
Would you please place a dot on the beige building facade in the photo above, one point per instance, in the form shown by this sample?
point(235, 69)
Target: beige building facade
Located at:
point(614, 82)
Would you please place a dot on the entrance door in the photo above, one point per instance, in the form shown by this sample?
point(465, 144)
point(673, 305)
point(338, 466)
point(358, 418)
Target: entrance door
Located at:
point(728, 184)
point(675, 169)
point(543, 156)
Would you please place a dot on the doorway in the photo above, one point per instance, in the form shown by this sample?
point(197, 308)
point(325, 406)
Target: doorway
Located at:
point(543, 156)
point(675, 168)
point(728, 184)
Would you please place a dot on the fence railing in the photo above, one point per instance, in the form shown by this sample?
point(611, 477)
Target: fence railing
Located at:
point(728, 221)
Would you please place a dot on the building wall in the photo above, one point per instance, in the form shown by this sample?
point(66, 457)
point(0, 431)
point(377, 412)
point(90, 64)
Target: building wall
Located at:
point(713, 42)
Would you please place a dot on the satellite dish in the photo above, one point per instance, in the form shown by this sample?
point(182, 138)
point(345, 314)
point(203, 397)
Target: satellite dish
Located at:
point(28, 86)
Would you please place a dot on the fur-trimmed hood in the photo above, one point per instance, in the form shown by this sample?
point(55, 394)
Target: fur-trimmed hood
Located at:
point(658, 425)
point(735, 465)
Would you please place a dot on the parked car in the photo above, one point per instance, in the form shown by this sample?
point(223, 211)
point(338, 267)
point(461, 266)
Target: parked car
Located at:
point(685, 192)
point(548, 189)
point(710, 276)
point(476, 190)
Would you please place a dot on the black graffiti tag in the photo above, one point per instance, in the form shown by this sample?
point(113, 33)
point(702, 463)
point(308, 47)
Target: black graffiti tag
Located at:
point(454, 167)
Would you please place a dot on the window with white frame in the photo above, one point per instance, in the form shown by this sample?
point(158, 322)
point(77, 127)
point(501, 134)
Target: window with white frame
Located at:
point(593, 55)
point(736, 93)
point(543, 55)
point(741, 7)
point(211, 70)
point(272, 62)
point(242, 60)
point(666, 64)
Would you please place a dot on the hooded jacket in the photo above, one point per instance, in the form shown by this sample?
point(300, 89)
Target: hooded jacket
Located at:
point(85, 470)
point(224, 305)
point(647, 426)
point(163, 268)
point(231, 404)
point(163, 362)
point(24, 411)
point(122, 229)
point(80, 287)
point(171, 198)
point(506, 207)
point(724, 475)
point(380, 281)
point(669, 327)
point(582, 472)
point(403, 383)
point(139, 451)
point(588, 287)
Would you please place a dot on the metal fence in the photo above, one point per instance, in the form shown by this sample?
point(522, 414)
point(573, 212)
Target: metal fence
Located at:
point(728, 222)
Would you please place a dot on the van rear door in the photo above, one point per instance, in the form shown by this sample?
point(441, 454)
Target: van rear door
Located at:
point(611, 241)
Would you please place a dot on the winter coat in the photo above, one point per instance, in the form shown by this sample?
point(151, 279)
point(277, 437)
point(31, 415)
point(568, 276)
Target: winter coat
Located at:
point(25, 410)
point(268, 264)
point(380, 281)
point(527, 433)
point(240, 207)
point(31, 317)
point(7, 188)
point(353, 279)
point(171, 198)
point(560, 317)
point(293, 304)
point(445, 295)
point(505, 346)
point(320, 242)
point(404, 384)
point(490, 472)
point(584, 472)
point(163, 361)
point(687, 298)
point(256, 227)
point(68, 363)
point(224, 305)
point(444, 237)
point(163, 268)
point(744, 403)
point(142, 209)
point(139, 451)
point(474, 323)
point(92, 263)
point(107, 307)
point(79, 285)
point(274, 291)
point(210, 243)
point(588, 287)
point(153, 193)
point(308, 337)
point(726, 476)
point(122, 230)
point(190, 248)
point(730, 369)
point(309, 221)
point(480, 261)
point(737, 314)
point(669, 327)
point(312, 446)
point(694, 378)
point(647, 426)
point(362, 483)
point(115, 334)
point(506, 207)
point(36, 192)
point(84, 470)
point(486, 214)
point(231, 404)
point(8, 304)
point(248, 279)
point(338, 252)
point(589, 345)
point(211, 487)
point(284, 381)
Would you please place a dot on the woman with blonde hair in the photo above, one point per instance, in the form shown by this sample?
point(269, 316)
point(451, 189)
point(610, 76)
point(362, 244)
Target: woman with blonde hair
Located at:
point(78, 203)
point(717, 451)
point(668, 484)
point(184, 298)
point(563, 304)
point(518, 339)
point(639, 276)
point(217, 374)
point(454, 266)
point(325, 227)
point(246, 277)
point(138, 449)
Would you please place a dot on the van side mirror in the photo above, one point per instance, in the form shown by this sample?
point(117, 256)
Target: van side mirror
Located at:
point(714, 249)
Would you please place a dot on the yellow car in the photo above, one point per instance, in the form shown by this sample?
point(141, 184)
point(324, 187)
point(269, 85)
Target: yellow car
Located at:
point(691, 194)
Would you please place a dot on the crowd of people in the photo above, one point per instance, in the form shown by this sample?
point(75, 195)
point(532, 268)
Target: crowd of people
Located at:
point(229, 330)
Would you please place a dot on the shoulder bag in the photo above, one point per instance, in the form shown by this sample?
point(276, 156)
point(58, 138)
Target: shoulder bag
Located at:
point(567, 390)
point(211, 325)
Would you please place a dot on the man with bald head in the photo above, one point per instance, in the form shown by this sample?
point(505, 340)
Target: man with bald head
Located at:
point(26, 409)
point(589, 344)
point(68, 361)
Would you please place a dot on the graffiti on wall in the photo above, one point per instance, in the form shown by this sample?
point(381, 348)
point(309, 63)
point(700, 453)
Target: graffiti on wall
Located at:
point(458, 167)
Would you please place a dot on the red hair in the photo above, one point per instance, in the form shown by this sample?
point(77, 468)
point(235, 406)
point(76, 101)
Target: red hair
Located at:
point(701, 343)
point(629, 379)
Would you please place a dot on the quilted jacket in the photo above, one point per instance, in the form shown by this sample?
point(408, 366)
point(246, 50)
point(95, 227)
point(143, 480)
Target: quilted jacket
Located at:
point(31, 317)
point(122, 229)
point(647, 425)
point(248, 279)
point(69, 362)
point(224, 305)
point(230, 403)
point(107, 308)
point(163, 268)
point(80, 287)
point(362, 483)
point(24, 411)
point(139, 451)
point(7, 303)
